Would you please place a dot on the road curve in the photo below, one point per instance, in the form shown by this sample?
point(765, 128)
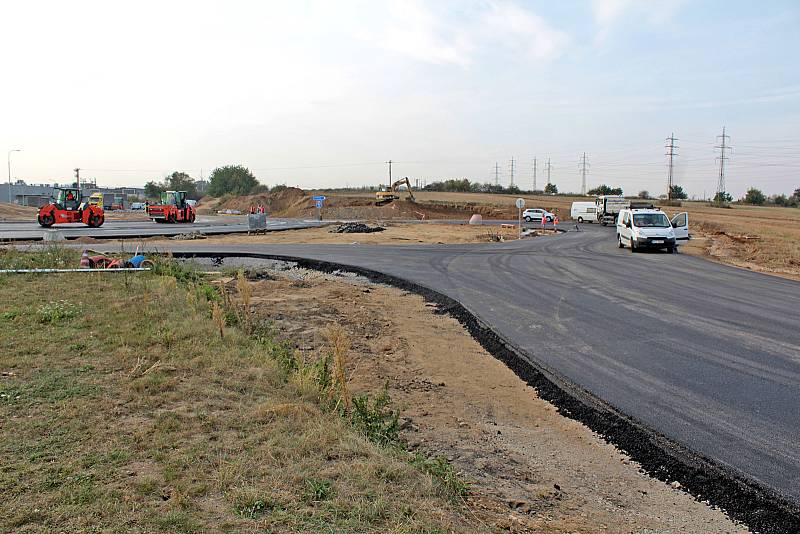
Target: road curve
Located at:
point(705, 354)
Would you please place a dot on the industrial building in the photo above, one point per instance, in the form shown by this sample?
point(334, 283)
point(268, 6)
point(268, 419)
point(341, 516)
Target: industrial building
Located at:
point(38, 195)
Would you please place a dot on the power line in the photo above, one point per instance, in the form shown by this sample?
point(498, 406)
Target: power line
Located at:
point(549, 168)
point(511, 165)
point(671, 154)
point(583, 174)
point(723, 147)
point(496, 173)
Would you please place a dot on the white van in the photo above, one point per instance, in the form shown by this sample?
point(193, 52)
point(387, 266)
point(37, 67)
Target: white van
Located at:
point(583, 212)
point(651, 228)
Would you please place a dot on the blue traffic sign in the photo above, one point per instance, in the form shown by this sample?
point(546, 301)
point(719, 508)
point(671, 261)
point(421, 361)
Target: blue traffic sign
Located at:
point(319, 198)
point(319, 204)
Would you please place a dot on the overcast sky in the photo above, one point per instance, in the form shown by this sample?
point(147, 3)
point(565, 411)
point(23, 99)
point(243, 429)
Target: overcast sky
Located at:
point(322, 93)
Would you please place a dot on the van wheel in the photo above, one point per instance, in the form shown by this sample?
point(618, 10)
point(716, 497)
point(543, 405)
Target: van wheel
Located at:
point(580, 220)
point(633, 246)
point(619, 241)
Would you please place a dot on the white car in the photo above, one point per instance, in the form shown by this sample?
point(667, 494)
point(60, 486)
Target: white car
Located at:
point(651, 228)
point(536, 214)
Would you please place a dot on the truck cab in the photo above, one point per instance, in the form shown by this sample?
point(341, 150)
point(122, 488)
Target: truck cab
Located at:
point(651, 229)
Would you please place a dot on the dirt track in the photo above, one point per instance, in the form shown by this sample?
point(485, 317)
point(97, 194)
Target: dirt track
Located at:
point(394, 234)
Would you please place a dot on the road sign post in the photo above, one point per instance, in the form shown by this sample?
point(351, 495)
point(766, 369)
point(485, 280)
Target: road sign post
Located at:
point(520, 204)
point(318, 201)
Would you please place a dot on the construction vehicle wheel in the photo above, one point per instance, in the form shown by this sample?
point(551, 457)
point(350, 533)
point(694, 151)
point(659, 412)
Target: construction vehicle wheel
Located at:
point(191, 217)
point(95, 220)
point(46, 220)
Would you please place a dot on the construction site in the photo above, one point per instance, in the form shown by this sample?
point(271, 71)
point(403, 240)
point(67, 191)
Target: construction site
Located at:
point(400, 267)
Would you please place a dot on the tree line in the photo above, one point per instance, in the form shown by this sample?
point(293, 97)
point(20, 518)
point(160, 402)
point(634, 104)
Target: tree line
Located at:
point(226, 180)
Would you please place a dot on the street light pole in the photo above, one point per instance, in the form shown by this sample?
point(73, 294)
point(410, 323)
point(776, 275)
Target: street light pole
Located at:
point(9, 171)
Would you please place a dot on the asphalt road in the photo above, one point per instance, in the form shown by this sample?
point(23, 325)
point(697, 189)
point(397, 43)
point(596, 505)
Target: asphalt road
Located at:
point(31, 231)
point(706, 354)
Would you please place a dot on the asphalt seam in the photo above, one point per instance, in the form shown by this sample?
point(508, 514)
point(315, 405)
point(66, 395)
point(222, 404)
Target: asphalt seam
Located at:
point(758, 507)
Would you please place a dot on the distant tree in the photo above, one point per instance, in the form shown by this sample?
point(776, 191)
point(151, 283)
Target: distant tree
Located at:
point(233, 179)
point(780, 200)
point(153, 189)
point(605, 190)
point(600, 190)
point(551, 189)
point(180, 181)
point(644, 194)
point(677, 193)
point(260, 189)
point(722, 197)
point(755, 196)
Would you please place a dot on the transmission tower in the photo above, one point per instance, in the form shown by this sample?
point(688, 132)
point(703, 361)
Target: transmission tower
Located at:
point(534, 174)
point(496, 173)
point(511, 172)
point(390, 173)
point(584, 167)
point(671, 153)
point(549, 168)
point(723, 147)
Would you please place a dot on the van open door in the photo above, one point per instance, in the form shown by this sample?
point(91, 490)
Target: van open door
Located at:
point(680, 223)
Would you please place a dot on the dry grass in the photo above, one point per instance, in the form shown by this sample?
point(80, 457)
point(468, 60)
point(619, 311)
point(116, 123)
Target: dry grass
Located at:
point(136, 414)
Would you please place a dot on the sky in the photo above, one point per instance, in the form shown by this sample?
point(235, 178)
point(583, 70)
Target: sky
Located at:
point(322, 94)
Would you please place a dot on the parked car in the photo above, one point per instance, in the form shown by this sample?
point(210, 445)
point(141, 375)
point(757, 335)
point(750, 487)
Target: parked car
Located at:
point(138, 206)
point(536, 214)
point(651, 228)
point(583, 212)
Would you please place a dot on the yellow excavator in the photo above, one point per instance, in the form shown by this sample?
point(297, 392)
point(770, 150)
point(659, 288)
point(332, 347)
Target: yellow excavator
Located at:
point(385, 196)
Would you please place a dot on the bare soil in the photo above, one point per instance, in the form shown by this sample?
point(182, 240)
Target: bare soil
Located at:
point(394, 234)
point(532, 469)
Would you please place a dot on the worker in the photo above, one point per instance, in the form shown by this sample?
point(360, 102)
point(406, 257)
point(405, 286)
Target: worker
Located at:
point(70, 195)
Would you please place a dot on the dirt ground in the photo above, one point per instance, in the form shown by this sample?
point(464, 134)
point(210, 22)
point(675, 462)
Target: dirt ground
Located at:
point(12, 212)
point(532, 469)
point(394, 234)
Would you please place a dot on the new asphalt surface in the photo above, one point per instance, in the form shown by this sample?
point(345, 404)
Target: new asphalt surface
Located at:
point(705, 354)
point(113, 229)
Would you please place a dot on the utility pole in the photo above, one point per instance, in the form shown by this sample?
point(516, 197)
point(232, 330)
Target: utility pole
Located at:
point(549, 168)
point(496, 174)
point(583, 174)
point(671, 153)
point(511, 182)
point(78, 179)
point(534, 174)
point(9, 171)
point(390, 175)
point(723, 157)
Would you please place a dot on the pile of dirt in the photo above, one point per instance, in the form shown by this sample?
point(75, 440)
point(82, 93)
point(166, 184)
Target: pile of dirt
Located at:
point(277, 203)
point(13, 212)
point(356, 228)
point(355, 207)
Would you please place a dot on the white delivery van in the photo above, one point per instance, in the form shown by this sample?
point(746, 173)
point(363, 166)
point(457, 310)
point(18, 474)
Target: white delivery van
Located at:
point(583, 212)
point(651, 228)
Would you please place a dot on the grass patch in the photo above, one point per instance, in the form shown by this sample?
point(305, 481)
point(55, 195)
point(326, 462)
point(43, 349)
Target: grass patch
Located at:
point(136, 411)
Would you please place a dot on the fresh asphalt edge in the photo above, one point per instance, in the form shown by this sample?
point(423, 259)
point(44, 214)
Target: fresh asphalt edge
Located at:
point(756, 506)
